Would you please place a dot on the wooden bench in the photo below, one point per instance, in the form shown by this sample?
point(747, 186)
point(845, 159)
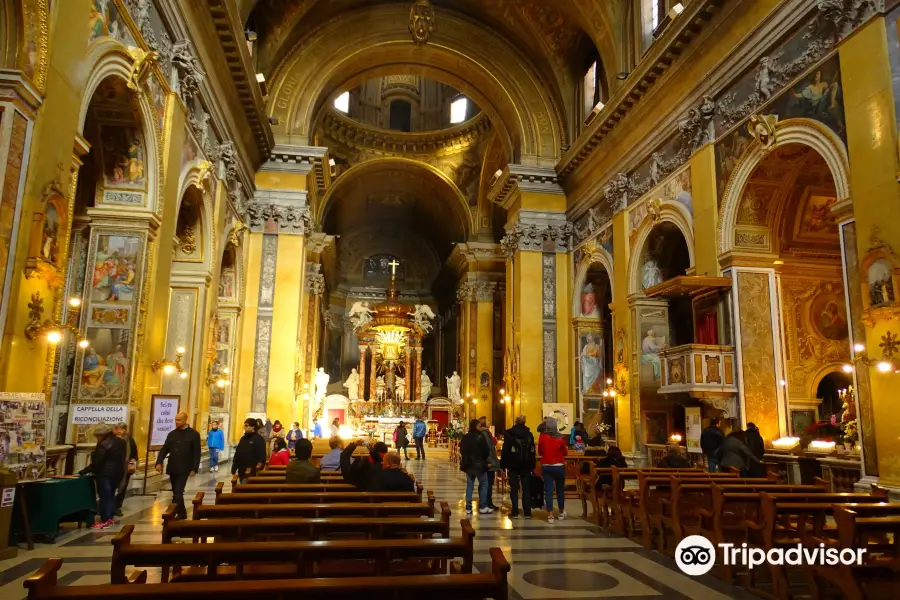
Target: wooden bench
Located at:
point(43, 586)
point(320, 497)
point(260, 510)
point(875, 528)
point(327, 477)
point(265, 488)
point(786, 520)
point(287, 559)
point(271, 528)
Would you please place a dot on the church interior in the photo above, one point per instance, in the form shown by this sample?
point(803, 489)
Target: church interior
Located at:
point(643, 220)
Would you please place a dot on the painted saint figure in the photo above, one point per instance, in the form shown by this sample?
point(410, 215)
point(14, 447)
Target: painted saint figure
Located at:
point(651, 274)
point(589, 306)
point(591, 366)
point(650, 348)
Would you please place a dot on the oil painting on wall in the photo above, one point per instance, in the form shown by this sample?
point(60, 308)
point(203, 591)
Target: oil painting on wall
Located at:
point(189, 149)
point(653, 339)
point(223, 365)
point(158, 98)
point(105, 21)
point(123, 157)
point(106, 364)
point(227, 284)
point(590, 360)
point(115, 268)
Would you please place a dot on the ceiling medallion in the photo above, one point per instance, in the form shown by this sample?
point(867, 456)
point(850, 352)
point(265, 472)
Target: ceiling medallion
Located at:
point(421, 21)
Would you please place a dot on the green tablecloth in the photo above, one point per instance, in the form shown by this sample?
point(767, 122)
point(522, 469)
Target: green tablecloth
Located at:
point(52, 502)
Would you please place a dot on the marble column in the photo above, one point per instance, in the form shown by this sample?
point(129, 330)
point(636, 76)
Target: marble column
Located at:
point(417, 375)
point(373, 373)
point(362, 370)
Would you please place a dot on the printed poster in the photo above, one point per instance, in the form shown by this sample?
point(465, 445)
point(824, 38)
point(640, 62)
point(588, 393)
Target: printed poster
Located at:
point(23, 430)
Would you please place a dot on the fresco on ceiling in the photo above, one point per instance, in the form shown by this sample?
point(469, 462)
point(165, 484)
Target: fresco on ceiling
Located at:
point(124, 164)
point(106, 21)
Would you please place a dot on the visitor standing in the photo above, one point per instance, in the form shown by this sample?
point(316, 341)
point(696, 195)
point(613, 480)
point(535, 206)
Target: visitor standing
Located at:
point(316, 432)
point(131, 458)
point(420, 430)
point(473, 461)
point(336, 427)
point(294, 435)
point(578, 430)
point(301, 470)
point(280, 453)
point(493, 460)
point(108, 468)
point(215, 441)
point(332, 460)
point(278, 430)
point(553, 450)
point(757, 446)
point(401, 439)
point(250, 451)
point(182, 448)
point(735, 453)
point(710, 440)
point(518, 457)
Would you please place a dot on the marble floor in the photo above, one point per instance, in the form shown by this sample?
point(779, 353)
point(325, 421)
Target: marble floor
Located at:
point(568, 559)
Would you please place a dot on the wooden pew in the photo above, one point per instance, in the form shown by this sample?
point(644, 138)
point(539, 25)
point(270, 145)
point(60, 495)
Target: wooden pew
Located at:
point(275, 477)
point(287, 559)
point(265, 488)
point(260, 510)
point(43, 586)
point(786, 520)
point(875, 528)
point(320, 497)
point(273, 528)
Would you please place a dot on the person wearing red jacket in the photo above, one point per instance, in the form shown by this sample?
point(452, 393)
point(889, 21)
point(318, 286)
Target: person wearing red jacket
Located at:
point(281, 455)
point(553, 450)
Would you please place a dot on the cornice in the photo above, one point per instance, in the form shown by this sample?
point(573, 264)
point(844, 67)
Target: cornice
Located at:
point(663, 53)
point(521, 178)
point(17, 88)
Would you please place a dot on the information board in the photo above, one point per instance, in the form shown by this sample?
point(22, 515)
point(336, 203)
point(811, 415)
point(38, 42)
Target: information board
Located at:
point(92, 414)
point(693, 428)
point(23, 427)
point(162, 418)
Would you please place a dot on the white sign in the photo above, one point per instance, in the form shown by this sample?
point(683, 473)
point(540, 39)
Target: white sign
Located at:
point(164, 410)
point(564, 413)
point(9, 496)
point(92, 414)
point(693, 428)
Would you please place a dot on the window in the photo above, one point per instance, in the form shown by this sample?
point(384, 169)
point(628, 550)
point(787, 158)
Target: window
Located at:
point(458, 110)
point(401, 115)
point(592, 94)
point(342, 102)
point(657, 13)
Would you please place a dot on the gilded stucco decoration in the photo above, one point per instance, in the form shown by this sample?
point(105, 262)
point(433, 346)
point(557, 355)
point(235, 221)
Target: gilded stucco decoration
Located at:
point(421, 21)
point(880, 281)
point(34, 49)
point(758, 378)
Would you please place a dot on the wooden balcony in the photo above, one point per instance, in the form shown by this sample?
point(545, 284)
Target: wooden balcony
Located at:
point(703, 371)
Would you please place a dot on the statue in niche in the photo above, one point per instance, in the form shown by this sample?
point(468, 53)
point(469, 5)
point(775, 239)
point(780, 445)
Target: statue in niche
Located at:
point(321, 381)
point(454, 384)
point(400, 389)
point(425, 389)
point(651, 274)
point(881, 285)
point(352, 385)
point(379, 388)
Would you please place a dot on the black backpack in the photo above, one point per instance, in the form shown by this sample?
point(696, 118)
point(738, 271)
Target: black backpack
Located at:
point(520, 454)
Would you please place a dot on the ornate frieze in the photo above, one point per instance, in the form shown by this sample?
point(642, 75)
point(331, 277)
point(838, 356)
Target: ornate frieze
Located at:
point(465, 292)
point(484, 290)
point(314, 282)
point(548, 285)
point(190, 74)
point(538, 231)
point(277, 211)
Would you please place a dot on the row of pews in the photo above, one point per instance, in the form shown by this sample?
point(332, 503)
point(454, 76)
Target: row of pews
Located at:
point(323, 540)
point(659, 507)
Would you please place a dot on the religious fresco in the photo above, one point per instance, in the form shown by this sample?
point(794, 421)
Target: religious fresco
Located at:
point(891, 21)
point(224, 361)
point(189, 149)
point(654, 337)
point(881, 284)
point(107, 316)
point(665, 255)
point(124, 164)
point(227, 283)
point(590, 361)
point(115, 268)
point(729, 151)
point(106, 21)
point(828, 315)
point(656, 427)
point(105, 365)
point(158, 97)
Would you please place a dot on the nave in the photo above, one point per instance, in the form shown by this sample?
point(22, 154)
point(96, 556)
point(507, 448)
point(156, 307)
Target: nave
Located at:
point(569, 559)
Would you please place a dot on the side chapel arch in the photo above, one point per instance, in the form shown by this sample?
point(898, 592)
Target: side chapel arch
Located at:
point(669, 212)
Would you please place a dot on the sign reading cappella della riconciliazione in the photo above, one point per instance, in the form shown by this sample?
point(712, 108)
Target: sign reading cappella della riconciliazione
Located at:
point(640, 216)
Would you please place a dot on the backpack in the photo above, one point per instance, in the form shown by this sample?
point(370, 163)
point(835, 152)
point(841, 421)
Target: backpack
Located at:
point(520, 455)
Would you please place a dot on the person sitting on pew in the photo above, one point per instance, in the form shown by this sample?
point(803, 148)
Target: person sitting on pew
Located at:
point(673, 459)
point(757, 446)
point(735, 453)
point(361, 471)
point(392, 477)
point(613, 458)
point(301, 470)
point(332, 460)
point(280, 454)
point(250, 451)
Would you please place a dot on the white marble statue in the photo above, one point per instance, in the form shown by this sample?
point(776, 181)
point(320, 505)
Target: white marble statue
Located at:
point(400, 389)
point(379, 388)
point(453, 387)
point(425, 389)
point(321, 382)
point(422, 317)
point(360, 314)
point(352, 385)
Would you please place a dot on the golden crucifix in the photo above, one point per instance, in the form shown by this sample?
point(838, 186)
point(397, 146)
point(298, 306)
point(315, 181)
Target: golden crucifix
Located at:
point(393, 265)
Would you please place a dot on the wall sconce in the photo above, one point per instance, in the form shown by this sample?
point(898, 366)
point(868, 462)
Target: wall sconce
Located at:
point(890, 346)
point(220, 380)
point(612, 390)
point(53, 331)
point(168, 367)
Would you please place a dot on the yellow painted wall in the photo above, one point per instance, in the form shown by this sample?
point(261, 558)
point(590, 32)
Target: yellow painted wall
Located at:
point(484, 357)
point(706, 211)
point(872, 145)
point(246, 345)
point(289, 273)
point(565, 386)
point(529, 324)
point(622, 320)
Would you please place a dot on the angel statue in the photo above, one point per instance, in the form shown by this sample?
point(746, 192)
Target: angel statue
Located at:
point(422, 317)
point(400, 389)
point(360, 314)
point(425, 389)
point(453, 386)
point(321, 381)
point(352, 385)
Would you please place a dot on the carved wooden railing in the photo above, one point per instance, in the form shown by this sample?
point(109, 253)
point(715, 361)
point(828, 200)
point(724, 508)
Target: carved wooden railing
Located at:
point(698, 369)
point(841, 474)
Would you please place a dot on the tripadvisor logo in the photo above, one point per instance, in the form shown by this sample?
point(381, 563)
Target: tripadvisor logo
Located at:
point(696, 555)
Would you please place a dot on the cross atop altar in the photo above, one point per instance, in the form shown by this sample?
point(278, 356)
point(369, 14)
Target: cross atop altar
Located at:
point(393, 265)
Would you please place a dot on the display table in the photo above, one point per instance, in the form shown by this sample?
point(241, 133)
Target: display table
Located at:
point(50, 502)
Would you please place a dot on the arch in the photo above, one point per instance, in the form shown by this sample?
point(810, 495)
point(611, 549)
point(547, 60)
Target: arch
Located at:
point(821, 374)
point(381, 164)
point(196, 175)
point(597, 256)
point(507, 88)
point(670, 212)
point(108, 57)
point(805, 132)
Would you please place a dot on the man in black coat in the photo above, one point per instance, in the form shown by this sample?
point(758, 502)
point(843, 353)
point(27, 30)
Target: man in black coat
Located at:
point(250, 451)
point(710, 440)
point(519, 457)
point(182, 447)
point(362, 472)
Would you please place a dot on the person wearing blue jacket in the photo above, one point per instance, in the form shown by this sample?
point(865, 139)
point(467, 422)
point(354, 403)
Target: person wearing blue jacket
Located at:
point(419, 432)
point(578, 430)
point(215, 441)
